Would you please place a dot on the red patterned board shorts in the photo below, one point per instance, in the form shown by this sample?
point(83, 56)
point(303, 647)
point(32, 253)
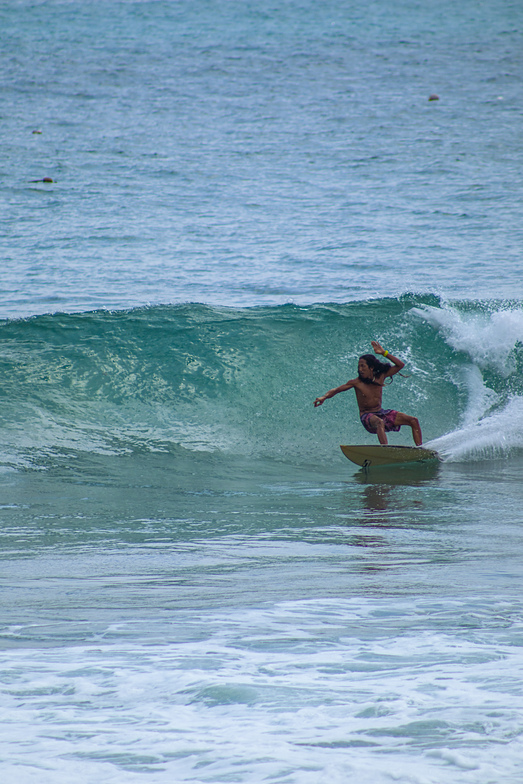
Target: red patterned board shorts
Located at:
point(388, 415)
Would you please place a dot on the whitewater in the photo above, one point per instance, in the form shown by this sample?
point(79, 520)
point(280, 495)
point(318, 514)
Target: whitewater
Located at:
point(209, 210)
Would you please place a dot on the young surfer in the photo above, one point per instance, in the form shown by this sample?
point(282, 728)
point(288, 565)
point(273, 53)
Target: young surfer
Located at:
point(369, 390)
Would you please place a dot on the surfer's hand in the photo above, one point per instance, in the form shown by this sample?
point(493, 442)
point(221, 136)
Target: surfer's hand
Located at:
point(319, 401)
point(377, 348)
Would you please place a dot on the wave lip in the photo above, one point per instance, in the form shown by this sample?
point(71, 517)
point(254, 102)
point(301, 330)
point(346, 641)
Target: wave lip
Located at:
point(488, 334)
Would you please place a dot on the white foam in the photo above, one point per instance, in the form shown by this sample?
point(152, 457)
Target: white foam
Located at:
point(343, 690)
point(492, 423)
point(489, 338)
point(494, 436)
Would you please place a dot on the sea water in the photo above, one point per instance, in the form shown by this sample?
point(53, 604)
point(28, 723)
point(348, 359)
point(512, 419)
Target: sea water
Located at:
point(196, 585)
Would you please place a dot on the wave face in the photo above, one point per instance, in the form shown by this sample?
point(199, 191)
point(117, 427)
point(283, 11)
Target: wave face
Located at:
point(193, 379)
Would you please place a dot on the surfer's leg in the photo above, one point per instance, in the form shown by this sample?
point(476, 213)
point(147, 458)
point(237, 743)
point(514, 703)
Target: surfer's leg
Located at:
point(405, 419)
point(379, 424)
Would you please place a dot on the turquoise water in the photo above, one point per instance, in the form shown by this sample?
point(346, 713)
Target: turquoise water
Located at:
point(197, 585)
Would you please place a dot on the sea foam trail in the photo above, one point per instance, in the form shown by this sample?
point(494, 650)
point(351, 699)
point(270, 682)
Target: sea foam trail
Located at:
point(493, 436)
point(489, 339)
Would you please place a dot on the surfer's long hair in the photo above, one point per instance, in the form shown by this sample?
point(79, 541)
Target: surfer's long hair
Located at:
point(377, 367)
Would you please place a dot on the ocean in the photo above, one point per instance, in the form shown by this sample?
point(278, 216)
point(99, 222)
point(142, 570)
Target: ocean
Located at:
point(209, 210)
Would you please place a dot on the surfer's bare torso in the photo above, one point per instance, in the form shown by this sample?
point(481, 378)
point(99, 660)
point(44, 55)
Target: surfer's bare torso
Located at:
point(368, 396)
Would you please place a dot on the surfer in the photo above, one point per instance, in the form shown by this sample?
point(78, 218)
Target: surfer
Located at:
point(369, 390)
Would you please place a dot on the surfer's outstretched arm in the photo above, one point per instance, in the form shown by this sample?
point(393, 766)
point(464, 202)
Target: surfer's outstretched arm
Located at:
point(320, 400)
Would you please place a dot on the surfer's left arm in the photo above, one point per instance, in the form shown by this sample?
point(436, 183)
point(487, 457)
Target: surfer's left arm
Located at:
point(321, 400)
point(397, 363)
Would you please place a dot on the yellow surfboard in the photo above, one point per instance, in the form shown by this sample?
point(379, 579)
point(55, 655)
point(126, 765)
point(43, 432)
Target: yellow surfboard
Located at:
point(377, 455)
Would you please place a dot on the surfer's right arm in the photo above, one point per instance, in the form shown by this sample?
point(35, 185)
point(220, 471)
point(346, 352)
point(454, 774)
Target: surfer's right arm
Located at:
point(321, 400)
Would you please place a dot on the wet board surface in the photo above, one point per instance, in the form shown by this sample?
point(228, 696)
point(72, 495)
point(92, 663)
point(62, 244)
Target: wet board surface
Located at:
point(373, 455)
